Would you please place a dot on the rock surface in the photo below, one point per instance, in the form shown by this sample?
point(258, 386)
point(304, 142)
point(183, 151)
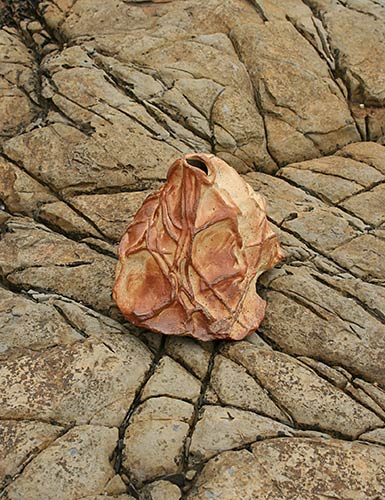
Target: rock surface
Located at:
point(294, 468)
point(97, 99)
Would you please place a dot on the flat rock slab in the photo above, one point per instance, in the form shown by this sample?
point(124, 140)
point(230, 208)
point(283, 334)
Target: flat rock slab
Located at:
point(97, 99)
point(294, 468)
point(77, 462)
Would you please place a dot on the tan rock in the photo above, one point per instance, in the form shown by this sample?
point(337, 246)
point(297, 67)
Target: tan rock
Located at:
point(90, 322)
point(334, 376)
point(86, 162)
point(283, 199)
point(201, 264)
point(336, 230)
point(318, 224)
point(370, 295)
point(215, 101)
point(195, 355)
point(257, 340)
point(294, 468)
point(108, 113)
point(108, 497)
point(359, 71)
point(22, 440)
point(332, 178)
point(17, 80)
point(368, 205)
point(24, 325)
point(223, 428)
point(238, 129)
point(369, 153)
point(328, 326)
point(235, 387)
point(233, 474)
point(363, 257)
point(101, 246)
point(210, 396)
point(19, 191)
point(115, 486)
point(36, 257)
point(82, 383)
point(61, 215)
point(97, 99)
point(112, 213)
point(4, 217)
point(160, 490)
point(171, 379)
point(154, 439)
point(76, 464)
point(307, 117)
point(357, 56)
point(374, 391)
point(376, 436)
point(309, 399)
point(190, 474)
point(365, 399)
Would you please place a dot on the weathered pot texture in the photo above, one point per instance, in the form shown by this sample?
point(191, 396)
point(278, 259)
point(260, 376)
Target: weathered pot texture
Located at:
point(189, 261)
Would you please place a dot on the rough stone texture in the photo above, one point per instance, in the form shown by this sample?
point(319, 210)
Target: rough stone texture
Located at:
point(97, 99)
point(376, 436)
point(224, 428)
point(108, 497)
point(111, 213)
point(18, 98)
point(27, 324)
point(190, 353)
point(19, 441)
point(234, 386)
point(294, 468)
point(76, 464)
point(30, 252)
point(308, 398)
point(155, 438)
point(159, 490)
point(171, 379)
point(88, 383)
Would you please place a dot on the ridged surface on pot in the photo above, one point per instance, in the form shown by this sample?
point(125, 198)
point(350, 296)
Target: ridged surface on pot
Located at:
point(189, 261)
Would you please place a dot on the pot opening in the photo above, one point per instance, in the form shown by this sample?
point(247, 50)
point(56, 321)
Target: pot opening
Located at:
point(197, 163)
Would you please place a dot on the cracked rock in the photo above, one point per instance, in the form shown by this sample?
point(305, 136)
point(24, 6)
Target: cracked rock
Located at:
point(304, 468)
point(26, 325)
point(34, 252)
point(159, 490)
point(170, 379)
point(20, 441)
point(308, 398)
point(18, 100)
point(97, 99)
point(235, 387)
point(160, 425)
point(220, 429)
point(76, 464)
point(88, 383)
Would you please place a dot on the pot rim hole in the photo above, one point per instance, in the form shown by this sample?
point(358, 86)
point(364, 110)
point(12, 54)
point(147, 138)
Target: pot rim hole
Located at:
point(197, 163)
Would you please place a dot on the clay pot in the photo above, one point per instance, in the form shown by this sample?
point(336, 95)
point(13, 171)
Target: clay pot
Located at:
point(189, 261)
